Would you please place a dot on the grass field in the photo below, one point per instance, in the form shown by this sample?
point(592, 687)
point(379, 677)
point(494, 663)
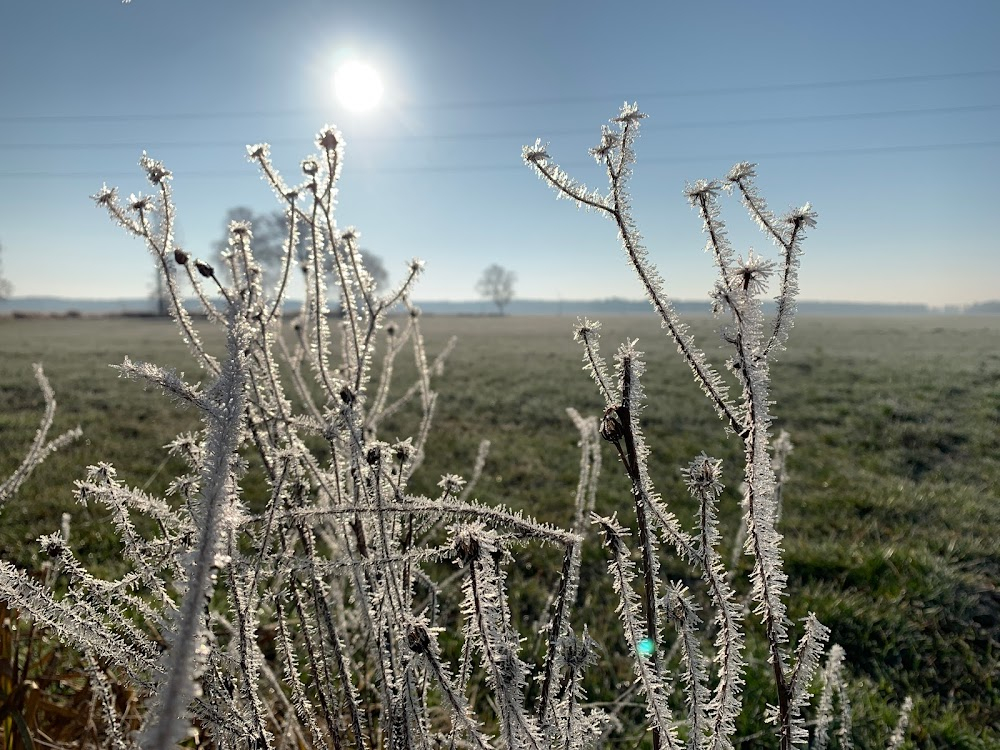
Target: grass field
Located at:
point(891, 513)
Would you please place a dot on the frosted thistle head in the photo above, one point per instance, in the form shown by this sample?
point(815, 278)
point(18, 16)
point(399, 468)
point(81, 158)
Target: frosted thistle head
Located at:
point(609, 141)
point(240, 229)
point(101, 474)
point(585, 328)
point(535, 153)
point(466, 546)
point(630, 114)
point(140, 202)
point(745, 170)
point(701, 190)
point(329, 139)
point(703, 476)
point(156, 173)
point(403, 450)
point(801, 217)
point(258, 151)
point(578, 652)
point(106, 196)
point(52, 545)
point(375, 452)
point(451, 484)
point(752, 274)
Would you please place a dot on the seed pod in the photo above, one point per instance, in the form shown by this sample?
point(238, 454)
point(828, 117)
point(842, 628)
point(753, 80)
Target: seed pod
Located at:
point(181, 257)
point(612, 428)
point(204, 269)
point(418, 639)
point(467, 548)
point(328, 139)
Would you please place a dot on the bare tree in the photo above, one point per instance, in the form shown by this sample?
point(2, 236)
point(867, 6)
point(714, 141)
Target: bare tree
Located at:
point(159, 294)
point(497, 284)
point(5, 286)
point(270, 231)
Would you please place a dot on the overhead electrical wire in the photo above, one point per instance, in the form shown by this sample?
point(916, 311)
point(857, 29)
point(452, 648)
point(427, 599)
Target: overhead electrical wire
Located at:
point(473, 136)
point(520, 102)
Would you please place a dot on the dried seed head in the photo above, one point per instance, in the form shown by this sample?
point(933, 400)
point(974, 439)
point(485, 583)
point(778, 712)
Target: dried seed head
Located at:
point(258, 151)
point(403, 449)
point(329, 138)
point(451, 484)
point(140, 202)
point(745, 170)
point(101, 474)
point(181, 257)
point(703, 476)
point(701, 189)
point(105, 196)
point(346, 395)
point(578, 652)
point(240, 229)
point(630, 114)
point(156, 173)
point(612, 428)
point(204, 269)
point(52, 545)
point(310, 167)
point(418, 639)
point(467, 548)
point(535, 153)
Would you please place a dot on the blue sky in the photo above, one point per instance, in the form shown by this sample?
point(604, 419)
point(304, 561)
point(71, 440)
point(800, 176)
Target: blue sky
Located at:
point(884, 115)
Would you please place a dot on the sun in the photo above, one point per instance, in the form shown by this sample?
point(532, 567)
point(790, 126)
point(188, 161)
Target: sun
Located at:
point(358, 85)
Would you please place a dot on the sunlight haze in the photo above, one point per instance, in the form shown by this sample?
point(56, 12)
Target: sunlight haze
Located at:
point(883, 115)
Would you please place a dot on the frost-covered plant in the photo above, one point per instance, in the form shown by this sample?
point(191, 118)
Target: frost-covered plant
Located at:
point(340, 565)
point(313, 616)
point(713, 701)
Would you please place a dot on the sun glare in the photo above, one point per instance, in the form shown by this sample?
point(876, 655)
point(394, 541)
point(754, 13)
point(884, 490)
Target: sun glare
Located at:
point(358, 85)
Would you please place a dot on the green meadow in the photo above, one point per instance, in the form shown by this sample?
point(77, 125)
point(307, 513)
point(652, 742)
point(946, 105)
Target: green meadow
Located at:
point(891, 512)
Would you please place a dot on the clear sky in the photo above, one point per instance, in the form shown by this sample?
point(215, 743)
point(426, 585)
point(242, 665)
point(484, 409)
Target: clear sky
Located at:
point(884, 115)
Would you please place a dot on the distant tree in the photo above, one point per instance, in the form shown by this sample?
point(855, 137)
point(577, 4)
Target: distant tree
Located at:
point(497, 284)
point(6, 288)
point(158, 293)
point(270, 230)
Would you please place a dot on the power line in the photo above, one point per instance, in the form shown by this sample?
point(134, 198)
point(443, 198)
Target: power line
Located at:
point(750, 154)
point(771, 120)
point(520, 102)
